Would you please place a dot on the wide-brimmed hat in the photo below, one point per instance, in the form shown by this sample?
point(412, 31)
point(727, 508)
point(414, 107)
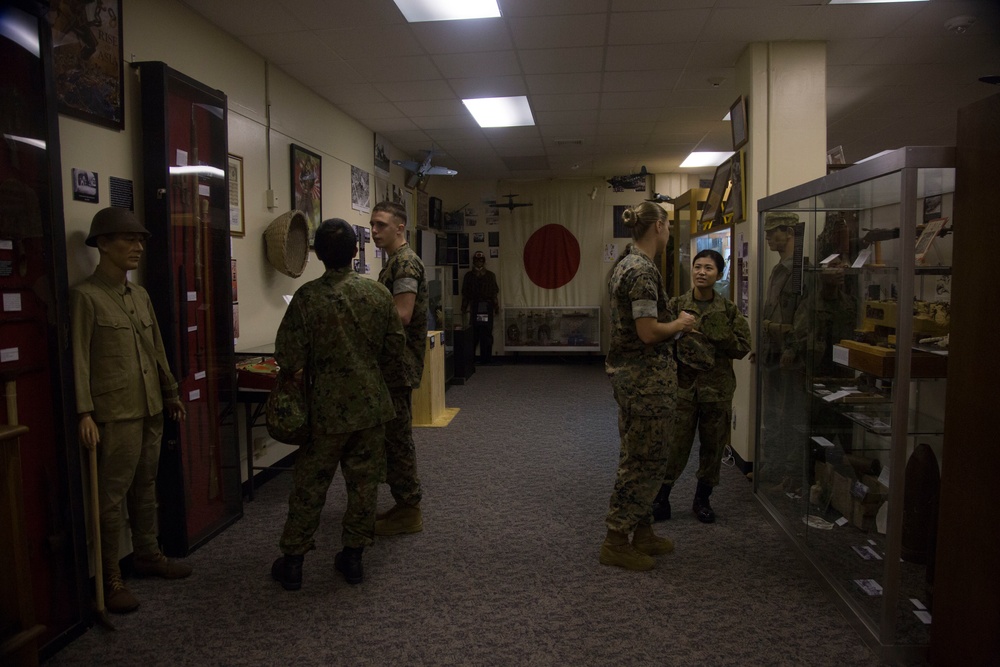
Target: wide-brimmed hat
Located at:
point(114, 220)
point(780, 219)
point(286, 242)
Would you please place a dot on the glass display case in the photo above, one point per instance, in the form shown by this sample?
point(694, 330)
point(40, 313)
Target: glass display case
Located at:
point(185, 142)
point(552, 329)
point(851, 382)
point(687, 213)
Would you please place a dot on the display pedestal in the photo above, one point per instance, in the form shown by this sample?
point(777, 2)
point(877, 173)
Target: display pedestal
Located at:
point(428, 399)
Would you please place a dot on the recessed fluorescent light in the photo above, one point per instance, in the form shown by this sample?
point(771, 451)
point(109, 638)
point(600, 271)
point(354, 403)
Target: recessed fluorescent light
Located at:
point(417, 11)
point(500, 111)
point(868, 2)
point(706, 159)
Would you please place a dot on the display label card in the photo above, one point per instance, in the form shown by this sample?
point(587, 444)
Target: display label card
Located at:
point(842, 521)
point(859, 490)
point(204, 190)
point(841, 355)
point(200, 375)
point(6, 244)
point(839, 394)
point(194, 395)
point(182, 158)
point(872, 542)
point(9, 354)
point(11, 302)
point(869, 586)
point(862, 259)
point(883, 477)
point(830, 259)
point(192, 329)
point(917, 603)
point(821, 441)
point(433, 342)
point(924, 616)
point(867, 553)
point(192, 296)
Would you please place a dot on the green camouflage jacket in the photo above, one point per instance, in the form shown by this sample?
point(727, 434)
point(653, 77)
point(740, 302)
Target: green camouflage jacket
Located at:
point(344, 329)
point(402, 274)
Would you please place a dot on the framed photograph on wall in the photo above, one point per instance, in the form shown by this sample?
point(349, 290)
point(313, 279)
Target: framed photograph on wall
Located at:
point(307, 177)
point(716, 196)
point(735, 208)
point(738, 122)
point(237, 224)
point(87, 61)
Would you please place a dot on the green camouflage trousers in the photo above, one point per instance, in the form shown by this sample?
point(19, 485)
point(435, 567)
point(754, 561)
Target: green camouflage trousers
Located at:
point(361, 457)
point(712, 419)
point(641, 465)
point(400, 452)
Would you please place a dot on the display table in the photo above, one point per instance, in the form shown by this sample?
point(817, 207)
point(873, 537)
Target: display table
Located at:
point(428, 399)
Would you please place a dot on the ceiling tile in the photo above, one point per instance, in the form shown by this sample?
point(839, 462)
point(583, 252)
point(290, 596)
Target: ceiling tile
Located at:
point(568, 132)
point(388, 126)
point(757, 24)
point(654, 97)
point(317, 73)
point(372, 110)
point(639, 83)
point(650, 5)
point(612, 127)
point(349, 42)
point(378, 70)
point(274, 47)
point(557, 61)
point(544, 32)
point(462, 36)
point(831, 22)
point(647, 56)
point(662, 27)
point(465, 121)
point(526, 162)
point(256, 16)
point(405, 91)
point(589, 82)
point(567, 117)
point(489, 86)
point(351, 93)
point(327, 15)
point(566, 102)
point(514, 8)
point(693, 79)
point(468, 65)
point(648, 114)
point(424, 108)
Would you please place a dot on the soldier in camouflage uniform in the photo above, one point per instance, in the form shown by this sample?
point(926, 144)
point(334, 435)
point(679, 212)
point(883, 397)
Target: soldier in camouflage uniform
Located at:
point(403, 275)
point(343, 331)
point(706, 383)
point(782, 382)
point(643, 376)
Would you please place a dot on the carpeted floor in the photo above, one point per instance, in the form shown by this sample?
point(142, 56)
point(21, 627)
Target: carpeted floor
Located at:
point(505, 572)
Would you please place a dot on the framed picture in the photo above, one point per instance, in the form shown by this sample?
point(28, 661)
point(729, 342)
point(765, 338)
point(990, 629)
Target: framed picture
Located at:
point(716, 195)
point(87, 61)
point(479, 237)
point(931, 231)
point(738, 122)
point(85, 186)
point(307, 177)
point(237, 224)
point(735, 208)
point(494, 252)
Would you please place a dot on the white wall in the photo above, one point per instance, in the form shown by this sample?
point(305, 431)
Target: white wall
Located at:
point(167, 31)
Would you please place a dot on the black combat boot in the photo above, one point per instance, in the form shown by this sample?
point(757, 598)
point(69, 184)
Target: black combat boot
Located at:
point(661, 505)
point(702, 508)
point(287, 571)
point(348, 563)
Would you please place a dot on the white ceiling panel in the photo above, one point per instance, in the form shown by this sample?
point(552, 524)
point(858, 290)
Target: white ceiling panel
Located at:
point(560, 61)
point(548, 32)
point(894, 73)
point(462, 36)
point(467, 65)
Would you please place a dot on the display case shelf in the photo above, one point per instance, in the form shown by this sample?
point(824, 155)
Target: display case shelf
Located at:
point(839, 476)
point(552, 329)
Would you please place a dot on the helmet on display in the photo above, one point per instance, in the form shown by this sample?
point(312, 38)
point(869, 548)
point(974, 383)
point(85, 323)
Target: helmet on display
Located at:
point(780, 219)
point(113, 220)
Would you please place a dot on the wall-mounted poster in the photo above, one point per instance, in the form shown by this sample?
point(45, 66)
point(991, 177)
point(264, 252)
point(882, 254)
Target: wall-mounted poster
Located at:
point(360, 190)
point(716, 195)
point(85, 186)
point(87, 60)
point(736, 201)
point(236, 217)
point(307, 177)
point(381, 157)
point(738, 122)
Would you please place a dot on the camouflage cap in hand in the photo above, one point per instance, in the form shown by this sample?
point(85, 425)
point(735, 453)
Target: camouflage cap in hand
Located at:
point(696, 351)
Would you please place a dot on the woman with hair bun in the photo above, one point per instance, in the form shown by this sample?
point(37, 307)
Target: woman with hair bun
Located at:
point(640, 364)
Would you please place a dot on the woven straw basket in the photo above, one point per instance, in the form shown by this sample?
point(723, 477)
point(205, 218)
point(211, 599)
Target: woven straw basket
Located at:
point(286, 241)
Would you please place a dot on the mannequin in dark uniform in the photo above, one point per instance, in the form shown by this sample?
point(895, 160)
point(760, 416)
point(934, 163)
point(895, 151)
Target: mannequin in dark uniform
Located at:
point(480, 295)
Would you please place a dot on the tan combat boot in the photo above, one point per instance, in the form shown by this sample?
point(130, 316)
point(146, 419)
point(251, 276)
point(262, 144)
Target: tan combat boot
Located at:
point(649, 543)
point(399, 520)
point(617, 551)
point(117, 598)
point(158, 565)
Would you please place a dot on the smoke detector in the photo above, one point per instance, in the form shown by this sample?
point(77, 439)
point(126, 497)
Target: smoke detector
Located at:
point(959, 24)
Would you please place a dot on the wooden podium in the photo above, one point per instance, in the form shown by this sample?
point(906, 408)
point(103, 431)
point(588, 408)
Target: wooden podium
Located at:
point(428, 399)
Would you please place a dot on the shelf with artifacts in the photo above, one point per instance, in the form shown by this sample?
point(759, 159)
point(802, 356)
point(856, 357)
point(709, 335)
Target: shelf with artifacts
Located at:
point(552, 328)
point(854, 480)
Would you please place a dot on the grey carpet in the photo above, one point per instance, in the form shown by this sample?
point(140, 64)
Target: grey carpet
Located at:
point(505, 572)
